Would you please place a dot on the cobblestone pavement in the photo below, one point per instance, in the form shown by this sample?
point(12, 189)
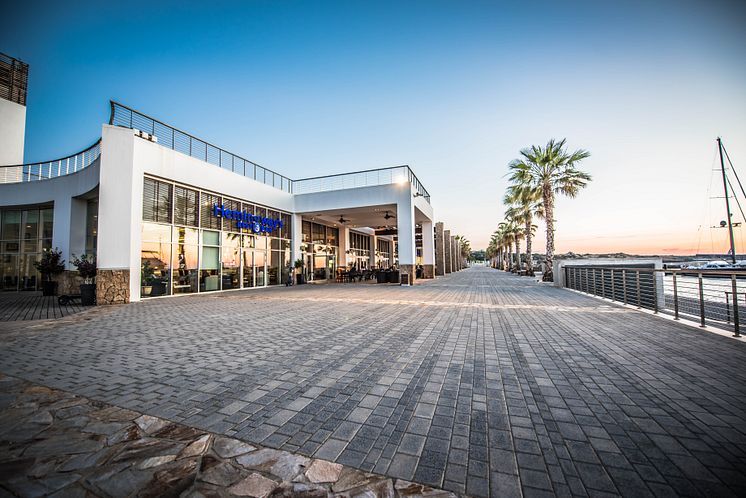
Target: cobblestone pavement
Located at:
point(479, 382)
point(63, 445)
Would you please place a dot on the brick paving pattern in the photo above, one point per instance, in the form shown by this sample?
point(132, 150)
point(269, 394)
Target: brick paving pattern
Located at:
point(478, 382)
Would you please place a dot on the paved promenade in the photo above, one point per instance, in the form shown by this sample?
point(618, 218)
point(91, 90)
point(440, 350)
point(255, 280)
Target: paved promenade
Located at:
point(479, 382)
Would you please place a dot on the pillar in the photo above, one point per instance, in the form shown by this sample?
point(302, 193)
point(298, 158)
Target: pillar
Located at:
point(447, 251)
point(372, 263)
point(405, 233)
point(344, 245)
point(454, 262)
point(428, 250)
point(439, 243)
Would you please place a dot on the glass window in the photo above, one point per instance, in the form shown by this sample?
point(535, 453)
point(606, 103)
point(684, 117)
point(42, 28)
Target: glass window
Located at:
point(210, 238)
point(156, 201)
point(287, 228)
point(91, 227)
point(207, 216)
point(47, 221)
point(8, 272)
point(209, 279)
point(231, 261)
point(332, 235)
point(318, 235)
point(11, 229)
point(30, 231)
point(185, 260)
point(155, 268)
point(186, 206)
point(156, 233)
point(273, 269)
point(231, 205)
point(306, 231)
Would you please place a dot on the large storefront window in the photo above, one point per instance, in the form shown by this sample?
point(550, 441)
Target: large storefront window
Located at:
point(320, 246)
point(384, 257)
point(24, 235)
point(202, 251)
point(359, 252)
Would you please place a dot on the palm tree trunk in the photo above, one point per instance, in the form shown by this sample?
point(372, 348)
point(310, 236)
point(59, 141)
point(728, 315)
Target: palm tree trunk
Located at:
point(518, 254)
point(529, 266)
point(549, 216)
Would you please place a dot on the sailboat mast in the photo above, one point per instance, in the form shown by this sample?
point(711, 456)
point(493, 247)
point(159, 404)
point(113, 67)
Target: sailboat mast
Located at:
point(727, 204)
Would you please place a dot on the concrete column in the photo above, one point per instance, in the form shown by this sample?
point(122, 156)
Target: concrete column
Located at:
point(447, 253)
point(297, 237)
point(68, 231)
point(119, 218)
point(454, 262)
point(372, 261)
point(440, 261)
point(428, 249)
point(405, 233)
point(344, 246)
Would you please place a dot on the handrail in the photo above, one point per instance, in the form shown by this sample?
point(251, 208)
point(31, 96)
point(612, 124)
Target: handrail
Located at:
point(364, 178)
point(183, 142)
point(709, 295)
point(28, 172)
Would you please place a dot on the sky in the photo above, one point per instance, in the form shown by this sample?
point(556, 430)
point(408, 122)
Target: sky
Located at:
point(454, 89)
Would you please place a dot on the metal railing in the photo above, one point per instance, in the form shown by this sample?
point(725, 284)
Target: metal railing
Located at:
point(183, 142)
point(13, 79)
point(710, 297)
point(51, 169)
point(366, 178)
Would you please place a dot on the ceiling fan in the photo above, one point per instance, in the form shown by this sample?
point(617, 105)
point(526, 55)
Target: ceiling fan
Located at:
point(342, 219)
point(388, 215)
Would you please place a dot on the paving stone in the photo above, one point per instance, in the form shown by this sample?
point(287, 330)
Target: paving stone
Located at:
point(323, 471)
point(229, 447)
point(255, 485)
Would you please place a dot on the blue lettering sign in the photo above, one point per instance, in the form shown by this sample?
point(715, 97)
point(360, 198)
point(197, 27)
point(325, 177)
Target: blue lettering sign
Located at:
point(244, 219)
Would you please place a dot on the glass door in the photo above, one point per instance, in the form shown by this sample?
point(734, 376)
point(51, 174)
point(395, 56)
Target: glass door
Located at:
point(260, 270)
point(247, 268)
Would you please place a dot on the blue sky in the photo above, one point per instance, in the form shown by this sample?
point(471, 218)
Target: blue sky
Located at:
point(454, 89)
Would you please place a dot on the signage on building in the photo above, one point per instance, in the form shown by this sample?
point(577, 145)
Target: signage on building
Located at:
point(244, 219)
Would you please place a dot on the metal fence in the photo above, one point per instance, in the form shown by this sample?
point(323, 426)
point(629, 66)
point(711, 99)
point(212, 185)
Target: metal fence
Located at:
point(180, 141)
point(712, 297)
point(13, 79)
point(367, 178)
point(51, 169)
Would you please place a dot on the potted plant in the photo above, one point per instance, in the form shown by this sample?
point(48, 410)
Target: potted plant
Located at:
point(50, 264)
point(299, 277)
point(86, 265)
point(147, 273)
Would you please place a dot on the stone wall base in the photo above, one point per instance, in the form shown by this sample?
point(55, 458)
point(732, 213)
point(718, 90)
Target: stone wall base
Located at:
point(68, 282)
point(112, 286)
point(410, 269)
point(428, 271)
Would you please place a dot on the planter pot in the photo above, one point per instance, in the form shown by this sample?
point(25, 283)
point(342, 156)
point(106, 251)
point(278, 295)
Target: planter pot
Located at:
point(48, 288)
point(300, 279)
point(146, 290)
point(381, 277)
point(87, 294)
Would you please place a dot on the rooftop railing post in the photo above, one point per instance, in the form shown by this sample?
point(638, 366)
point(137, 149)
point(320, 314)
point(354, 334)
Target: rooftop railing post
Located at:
point(637, 276)
point(701, 301)
point(736, 324)
point(675, 299)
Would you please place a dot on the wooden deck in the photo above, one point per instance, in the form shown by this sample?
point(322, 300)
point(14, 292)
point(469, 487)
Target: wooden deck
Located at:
point(16, 306)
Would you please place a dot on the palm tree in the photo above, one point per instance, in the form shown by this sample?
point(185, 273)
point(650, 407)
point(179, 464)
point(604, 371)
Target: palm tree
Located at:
point(552, 170)
point(510, 235)
point(525, 203)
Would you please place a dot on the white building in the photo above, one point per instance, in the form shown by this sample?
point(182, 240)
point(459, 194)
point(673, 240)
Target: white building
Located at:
point(167, 213)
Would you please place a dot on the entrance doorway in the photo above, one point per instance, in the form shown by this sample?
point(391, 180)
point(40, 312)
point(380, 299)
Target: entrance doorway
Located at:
point(254, 268)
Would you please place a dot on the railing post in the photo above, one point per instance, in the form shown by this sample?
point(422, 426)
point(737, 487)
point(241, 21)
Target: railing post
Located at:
point(639, 301)
point(624, 285)
point(701, 301)
point(675, 299)
point(736, 324)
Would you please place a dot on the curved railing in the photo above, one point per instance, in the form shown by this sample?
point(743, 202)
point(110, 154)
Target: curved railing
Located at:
point(31, 172)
